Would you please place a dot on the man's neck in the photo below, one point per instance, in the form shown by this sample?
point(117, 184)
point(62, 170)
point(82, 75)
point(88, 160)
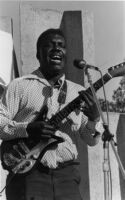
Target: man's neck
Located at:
point(55, 79)
point(51, 77)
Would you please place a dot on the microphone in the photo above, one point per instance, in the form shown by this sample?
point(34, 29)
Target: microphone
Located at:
point(81, 64)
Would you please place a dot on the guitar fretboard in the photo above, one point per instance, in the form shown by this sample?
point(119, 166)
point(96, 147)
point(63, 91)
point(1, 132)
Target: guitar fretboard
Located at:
point(62, 114)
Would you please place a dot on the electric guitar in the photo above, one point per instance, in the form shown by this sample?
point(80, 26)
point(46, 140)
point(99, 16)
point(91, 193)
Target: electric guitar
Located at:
point(20, 155)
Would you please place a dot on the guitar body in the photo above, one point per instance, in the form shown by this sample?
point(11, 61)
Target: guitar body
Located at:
point(20, 155)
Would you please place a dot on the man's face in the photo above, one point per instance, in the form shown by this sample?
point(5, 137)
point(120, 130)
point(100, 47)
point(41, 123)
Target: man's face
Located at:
point(53, 54)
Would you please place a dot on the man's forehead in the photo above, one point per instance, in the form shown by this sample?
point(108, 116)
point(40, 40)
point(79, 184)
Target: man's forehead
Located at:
point(55, 35)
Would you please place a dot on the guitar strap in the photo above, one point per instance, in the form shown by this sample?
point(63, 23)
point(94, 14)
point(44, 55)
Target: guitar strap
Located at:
point(62, 94)
point(61, 100)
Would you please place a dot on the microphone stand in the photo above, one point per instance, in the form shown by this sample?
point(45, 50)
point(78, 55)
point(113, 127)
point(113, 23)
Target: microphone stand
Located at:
point(107, 138)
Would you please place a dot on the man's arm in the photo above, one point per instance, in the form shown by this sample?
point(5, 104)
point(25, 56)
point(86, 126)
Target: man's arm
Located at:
point(9, 107)
point(91, 132)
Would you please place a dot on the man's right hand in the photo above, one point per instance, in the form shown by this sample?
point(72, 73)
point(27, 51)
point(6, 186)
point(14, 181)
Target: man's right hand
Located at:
point(40, 129)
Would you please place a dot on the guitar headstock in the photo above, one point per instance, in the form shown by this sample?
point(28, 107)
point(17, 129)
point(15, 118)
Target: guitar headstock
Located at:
point(117, 70)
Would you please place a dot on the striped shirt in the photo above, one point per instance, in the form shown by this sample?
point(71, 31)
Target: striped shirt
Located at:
point(22, 101)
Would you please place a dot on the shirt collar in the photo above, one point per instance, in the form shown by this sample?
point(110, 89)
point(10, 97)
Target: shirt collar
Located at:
point(37, 74)
point(59, 83)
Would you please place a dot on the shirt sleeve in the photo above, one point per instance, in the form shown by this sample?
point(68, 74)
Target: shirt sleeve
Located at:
point(88, 131)
point(9, 107)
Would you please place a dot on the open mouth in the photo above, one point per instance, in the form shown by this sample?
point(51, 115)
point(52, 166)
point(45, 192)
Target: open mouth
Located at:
point(56, 57)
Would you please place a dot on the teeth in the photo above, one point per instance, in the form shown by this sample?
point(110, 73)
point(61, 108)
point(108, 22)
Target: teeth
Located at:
point(55, 57)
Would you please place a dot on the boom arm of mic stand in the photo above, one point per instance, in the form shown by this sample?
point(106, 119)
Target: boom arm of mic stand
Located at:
point(106, 137)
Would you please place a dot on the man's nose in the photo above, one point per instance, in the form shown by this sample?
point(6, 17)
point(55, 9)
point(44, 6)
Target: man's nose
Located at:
point(56, 45)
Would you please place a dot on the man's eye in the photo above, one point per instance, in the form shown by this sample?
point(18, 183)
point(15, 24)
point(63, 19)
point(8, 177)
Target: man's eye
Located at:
point(62, 45)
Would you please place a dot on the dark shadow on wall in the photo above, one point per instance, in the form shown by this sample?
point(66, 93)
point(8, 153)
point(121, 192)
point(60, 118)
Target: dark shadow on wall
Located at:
point(71, 25)
point(121, 150)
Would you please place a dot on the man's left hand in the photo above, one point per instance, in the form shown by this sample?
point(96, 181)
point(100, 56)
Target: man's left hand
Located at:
point(90, 108)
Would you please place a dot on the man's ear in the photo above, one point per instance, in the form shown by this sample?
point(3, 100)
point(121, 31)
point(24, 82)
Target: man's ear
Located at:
point(40, 55)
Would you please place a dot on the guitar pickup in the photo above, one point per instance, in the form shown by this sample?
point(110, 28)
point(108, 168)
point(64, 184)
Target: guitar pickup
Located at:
point(15, 147)
point(24, 147)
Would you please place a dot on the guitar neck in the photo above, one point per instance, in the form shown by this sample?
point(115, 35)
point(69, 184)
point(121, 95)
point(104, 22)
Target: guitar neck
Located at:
point(99, 83)
point(57, 118)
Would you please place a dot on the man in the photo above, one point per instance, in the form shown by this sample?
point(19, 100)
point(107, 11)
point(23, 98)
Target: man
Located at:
point(29, 104)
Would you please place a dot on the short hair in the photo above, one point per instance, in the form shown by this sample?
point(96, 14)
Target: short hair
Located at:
point(44, 37)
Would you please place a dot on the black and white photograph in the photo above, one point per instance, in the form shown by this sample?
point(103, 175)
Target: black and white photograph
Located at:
point(62, 100)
